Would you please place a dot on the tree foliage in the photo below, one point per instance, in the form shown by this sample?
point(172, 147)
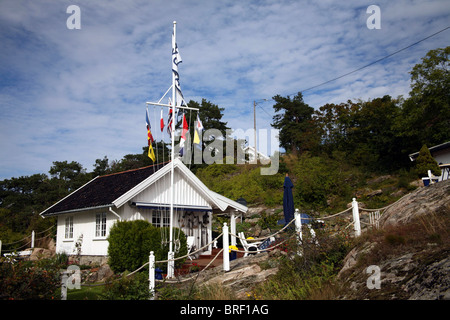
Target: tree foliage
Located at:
point(130, 243)
point(294, 120)
point(425, 162)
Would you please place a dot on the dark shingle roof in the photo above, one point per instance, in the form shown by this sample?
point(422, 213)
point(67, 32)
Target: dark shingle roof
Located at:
point(103, 190)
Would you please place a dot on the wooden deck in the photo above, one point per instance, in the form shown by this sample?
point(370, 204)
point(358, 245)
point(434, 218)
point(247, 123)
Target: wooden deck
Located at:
point(202, 261)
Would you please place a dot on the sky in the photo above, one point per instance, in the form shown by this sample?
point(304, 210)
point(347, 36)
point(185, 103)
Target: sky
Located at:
point(79, 94)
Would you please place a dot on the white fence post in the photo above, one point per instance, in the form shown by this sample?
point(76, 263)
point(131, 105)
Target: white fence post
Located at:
point(298, 231)
point(233, 228)
point(151, 273)
point(226, 255)
point(357, 224)
point(0, 248)
point(32, 239)
point(298, 224)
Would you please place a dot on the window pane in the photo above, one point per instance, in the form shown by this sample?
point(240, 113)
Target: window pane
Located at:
point(68, 234)
point(100, 224)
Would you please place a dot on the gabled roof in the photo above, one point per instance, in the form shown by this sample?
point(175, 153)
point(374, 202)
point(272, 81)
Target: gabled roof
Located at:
point(102, 190)
point(439, 147)
point(119, 188)
point(215, 199)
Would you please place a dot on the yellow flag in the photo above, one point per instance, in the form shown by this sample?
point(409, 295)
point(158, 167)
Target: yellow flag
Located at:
point(151, 153)
point(196, 137)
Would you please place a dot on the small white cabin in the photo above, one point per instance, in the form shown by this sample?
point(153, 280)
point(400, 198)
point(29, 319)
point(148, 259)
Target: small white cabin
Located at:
point(87, 214)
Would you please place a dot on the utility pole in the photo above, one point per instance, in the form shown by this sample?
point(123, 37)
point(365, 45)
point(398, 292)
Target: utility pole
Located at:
point(254, 127)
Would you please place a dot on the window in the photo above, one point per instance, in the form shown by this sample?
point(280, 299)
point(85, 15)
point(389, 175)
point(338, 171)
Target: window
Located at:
point(100, 225)
point(68, 234)
point(156, 218)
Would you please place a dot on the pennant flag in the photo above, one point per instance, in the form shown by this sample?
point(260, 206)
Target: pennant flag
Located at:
point(183, 134)
point(169, 122)
point(176, 60)
point(151, 153)
point(162, 121)
point(199, 128)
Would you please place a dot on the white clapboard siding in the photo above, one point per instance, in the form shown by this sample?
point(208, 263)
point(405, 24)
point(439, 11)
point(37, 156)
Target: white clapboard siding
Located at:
point(160, 192)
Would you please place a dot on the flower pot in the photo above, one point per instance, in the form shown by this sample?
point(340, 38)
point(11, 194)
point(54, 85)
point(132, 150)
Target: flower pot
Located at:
point(233, 255)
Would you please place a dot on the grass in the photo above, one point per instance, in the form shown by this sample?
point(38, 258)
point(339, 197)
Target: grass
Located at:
point(85, 293)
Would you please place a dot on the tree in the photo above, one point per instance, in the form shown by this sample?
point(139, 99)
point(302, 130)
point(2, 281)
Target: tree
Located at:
point(426, 114)
point(425, 162)
point(210, 115)
point(101, 167)
point(68, 176)
point(297, 130)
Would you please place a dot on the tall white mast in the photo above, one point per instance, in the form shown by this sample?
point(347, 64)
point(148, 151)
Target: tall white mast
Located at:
point(173, 106)
point(171, 263)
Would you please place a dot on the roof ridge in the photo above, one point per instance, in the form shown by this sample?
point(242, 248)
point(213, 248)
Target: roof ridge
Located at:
point(136, 169)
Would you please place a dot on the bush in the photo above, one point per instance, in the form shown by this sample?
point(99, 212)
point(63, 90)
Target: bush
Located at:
point(134, 287)
point(130, 243)
point(426, 162)
point(27, 280)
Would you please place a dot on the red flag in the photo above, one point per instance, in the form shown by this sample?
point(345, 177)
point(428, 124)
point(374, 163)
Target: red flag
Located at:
point(183, 134)
point(162, 121)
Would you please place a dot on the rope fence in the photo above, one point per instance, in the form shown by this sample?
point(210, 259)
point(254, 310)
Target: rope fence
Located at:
point(374, 217)
point(29, 241)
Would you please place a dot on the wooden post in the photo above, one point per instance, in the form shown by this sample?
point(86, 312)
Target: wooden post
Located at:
point(233, 228)
point(226, 255)
point(32, 239)
point(0, 248)
point(357, 224)
point(151, 274)
point(298, 231)
point(298, 225)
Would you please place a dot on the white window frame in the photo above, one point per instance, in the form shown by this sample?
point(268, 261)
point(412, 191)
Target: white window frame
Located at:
point(68, 228)
point(100, 225)
point(161, 218)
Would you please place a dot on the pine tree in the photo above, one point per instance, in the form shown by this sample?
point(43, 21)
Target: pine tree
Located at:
point(426, 162)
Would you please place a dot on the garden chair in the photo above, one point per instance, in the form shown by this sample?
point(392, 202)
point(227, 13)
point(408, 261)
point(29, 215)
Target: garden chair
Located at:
point(247, 246)
point(432, 177)
point(190, 245)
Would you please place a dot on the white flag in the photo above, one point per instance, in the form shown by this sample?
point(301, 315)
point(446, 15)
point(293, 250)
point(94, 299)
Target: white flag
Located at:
point(176, 60)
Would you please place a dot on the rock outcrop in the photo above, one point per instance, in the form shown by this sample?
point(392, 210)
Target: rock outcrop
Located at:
point(424, 201)
point(411, 251)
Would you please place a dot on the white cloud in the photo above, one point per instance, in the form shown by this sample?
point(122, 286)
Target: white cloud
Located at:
point(80, 94)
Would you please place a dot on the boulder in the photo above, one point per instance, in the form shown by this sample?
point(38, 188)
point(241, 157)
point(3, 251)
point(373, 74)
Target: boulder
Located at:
point(423, 201)
point(40, 253)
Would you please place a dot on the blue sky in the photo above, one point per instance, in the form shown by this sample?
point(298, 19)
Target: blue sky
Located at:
point(79, 95)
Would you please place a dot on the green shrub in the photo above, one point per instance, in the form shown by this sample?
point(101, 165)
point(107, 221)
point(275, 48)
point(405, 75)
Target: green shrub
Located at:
point(27, 280)
point(134, 287)
point(426, 162)
point(130, 243)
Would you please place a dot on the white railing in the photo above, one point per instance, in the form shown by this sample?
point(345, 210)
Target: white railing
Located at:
point(374, 217)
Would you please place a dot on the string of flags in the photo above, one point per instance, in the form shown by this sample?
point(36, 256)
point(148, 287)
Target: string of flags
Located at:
point(198, 129)
point(179, 101)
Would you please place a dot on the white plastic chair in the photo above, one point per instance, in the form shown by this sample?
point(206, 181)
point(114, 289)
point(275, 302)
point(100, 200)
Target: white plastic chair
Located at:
point(247, 245)
point(190, 245)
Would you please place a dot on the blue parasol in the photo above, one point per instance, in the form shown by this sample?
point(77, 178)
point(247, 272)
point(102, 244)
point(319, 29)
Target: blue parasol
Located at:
point(288, 200)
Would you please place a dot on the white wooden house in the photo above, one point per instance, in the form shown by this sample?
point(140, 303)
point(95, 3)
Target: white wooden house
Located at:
point(440, 153)
point(87, 214)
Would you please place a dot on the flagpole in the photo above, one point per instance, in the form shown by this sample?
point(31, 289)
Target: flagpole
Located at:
point(173, 106)
point(171, 263)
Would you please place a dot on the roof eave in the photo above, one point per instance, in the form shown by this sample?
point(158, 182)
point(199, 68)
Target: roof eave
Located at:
point(43, 213)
